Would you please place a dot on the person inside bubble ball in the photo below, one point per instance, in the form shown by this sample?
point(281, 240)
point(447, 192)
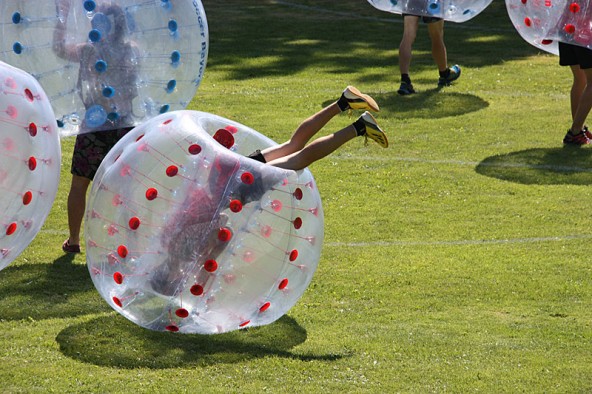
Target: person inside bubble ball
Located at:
point(192, 237)
point(107, 78)
point(439, 54)
point(579, 60)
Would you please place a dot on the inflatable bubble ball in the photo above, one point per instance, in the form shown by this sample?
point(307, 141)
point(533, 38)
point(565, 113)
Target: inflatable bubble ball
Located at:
point(450, 10)
point(546, 23)
point(184, 233)
point(108, 64)
point(30, 160)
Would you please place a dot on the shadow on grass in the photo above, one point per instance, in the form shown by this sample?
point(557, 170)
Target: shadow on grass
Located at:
point(555, 166)
point(251, 39)
point(113, 341)
point(45, 291)
point(429, 104)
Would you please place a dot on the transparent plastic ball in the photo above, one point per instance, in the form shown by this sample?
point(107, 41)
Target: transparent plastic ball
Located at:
point(185, 233)
point(30, 158)
point(545, 23)
point(450, 10)
point(108, 64)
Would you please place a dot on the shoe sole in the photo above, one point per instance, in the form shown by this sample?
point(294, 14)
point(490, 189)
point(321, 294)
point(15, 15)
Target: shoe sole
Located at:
point(368, 102)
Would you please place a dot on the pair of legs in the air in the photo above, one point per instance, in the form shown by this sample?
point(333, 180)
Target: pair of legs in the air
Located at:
point(295, 154)
point(436, 33)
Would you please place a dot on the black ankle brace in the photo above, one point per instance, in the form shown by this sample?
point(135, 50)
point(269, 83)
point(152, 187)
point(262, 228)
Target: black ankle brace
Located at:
point(342, 103)
point(360, 127)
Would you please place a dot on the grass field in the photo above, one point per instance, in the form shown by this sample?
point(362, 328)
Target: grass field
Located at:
point(457, 260)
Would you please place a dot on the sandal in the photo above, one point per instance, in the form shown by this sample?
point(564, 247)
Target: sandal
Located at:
point(68, 248)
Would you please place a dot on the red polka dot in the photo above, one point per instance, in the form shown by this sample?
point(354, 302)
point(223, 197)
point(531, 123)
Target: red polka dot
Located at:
point(298, 194)
point(196, 290)
point(236, 206)
point(293, 255)
point(524, 1)
point(171, 171)
point(194, 149)
point(117, 302)
point(224, 235)
point(32, 163)
point(276, 205)
point(134, 223)
point(570, 29)
point(172, 328)
point(29, 95)
point(574, 7)
point(151, 194)
point(283, 284)
point(140, 137)
point(243, 324)
point(122, 251)
point(546, 42)
point(182, 313)
point(27, 198)
point(125, 170)
point(527, 21)
point(167, 121)
point(248, 257)
point(232, 129)
point(32, 129)
point(247, 178)
point(266, 231)
point(297, 223)
point(118, 278)
point(210, 265)
point(116, 200)
point(265, 307)
point(12, 111)
point(224, 138)
point(11, 228)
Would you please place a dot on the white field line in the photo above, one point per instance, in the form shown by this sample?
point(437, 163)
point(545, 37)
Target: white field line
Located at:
point(465, 242)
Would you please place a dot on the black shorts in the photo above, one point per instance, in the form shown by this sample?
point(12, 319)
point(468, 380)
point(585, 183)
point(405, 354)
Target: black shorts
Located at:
point(257, 155)
point(91, 148)
point(572, 55)
point(425, 19)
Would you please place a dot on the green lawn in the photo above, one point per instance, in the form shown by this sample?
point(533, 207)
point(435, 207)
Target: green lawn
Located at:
point(457, 260)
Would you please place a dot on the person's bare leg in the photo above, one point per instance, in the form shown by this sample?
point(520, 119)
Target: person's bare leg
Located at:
point(316, 150)
point(436, 32)
point(76, 207)
point(411, 24)
point(303, 133)
point(577, 88)
point(584, 102)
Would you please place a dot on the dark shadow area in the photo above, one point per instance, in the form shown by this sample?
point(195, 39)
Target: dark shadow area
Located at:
point(345, 37)
point(554, 166)
point(113, 341)
point(46, 291)
point(430, 104)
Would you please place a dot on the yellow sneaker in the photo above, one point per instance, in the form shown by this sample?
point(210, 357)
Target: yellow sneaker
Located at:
point(373, 131)
point(358, 100)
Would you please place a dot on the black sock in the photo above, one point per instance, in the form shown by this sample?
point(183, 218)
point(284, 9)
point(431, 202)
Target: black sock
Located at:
point(342, 103)
point(360, 127)
point(445, 73)
point(405, 78)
